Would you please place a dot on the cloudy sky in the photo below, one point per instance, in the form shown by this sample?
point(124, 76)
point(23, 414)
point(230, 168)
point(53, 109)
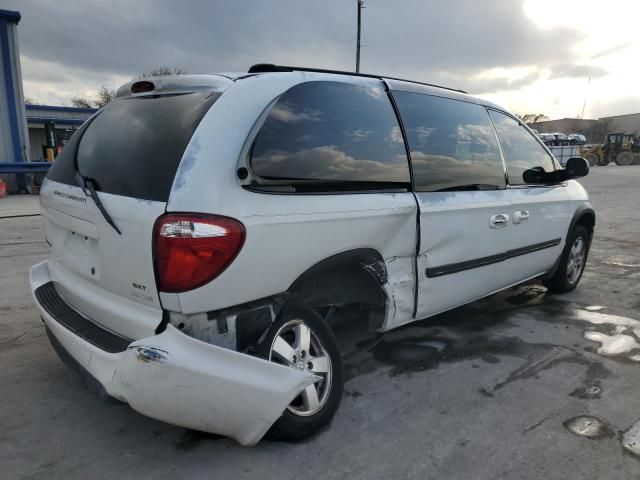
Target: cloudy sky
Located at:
point(533, 56)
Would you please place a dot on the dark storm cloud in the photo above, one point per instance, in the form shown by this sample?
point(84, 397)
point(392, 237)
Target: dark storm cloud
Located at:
point(427, 40)
point(466, 35)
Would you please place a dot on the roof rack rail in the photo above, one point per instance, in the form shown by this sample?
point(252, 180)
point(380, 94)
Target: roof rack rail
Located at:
point(269, 67)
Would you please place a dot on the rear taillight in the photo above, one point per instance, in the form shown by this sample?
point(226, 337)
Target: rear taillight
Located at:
point(191, 249)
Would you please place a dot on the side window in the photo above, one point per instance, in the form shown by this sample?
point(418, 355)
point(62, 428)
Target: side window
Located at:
point(521, 150)
point(453, 144)
point(331, 131)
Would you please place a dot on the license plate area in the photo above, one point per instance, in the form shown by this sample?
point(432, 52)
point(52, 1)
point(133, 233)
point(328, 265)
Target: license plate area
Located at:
point(74, 243)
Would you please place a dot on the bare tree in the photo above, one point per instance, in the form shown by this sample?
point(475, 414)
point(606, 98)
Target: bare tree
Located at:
point(81, 102)
point(533, 117)
point(597, 132)
point(161, 71)
point(104, 94)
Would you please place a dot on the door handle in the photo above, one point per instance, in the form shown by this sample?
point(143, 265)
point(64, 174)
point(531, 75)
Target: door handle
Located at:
point(521, 216)
point(500, 220)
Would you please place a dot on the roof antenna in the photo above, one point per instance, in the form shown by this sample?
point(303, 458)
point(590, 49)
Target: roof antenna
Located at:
point(360, 7)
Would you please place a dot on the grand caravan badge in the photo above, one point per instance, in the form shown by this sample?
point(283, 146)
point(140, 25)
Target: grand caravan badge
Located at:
point(138, 292)
point(70, 196)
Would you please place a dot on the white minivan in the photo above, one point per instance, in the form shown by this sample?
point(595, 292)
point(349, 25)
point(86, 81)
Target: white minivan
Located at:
point(206, 229)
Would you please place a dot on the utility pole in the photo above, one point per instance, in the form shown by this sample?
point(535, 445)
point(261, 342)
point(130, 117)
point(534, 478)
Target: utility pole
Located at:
point(584, 104)
point(360, 7)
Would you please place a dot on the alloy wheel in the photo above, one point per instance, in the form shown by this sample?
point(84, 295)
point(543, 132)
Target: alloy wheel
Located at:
point(295, 345)
point(576, 260)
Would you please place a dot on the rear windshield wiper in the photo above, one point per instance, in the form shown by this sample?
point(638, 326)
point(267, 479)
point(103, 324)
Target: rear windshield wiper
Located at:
point(470, 186)
point(87, 184)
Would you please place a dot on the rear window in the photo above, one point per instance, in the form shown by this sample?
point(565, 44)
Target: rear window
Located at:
point(331, 131)
point(134, 145)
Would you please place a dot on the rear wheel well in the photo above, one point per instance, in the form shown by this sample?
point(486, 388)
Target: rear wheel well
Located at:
point(340, 288)
point(351, 279)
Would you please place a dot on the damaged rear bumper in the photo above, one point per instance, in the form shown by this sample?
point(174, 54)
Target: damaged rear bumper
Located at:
point(183, 381)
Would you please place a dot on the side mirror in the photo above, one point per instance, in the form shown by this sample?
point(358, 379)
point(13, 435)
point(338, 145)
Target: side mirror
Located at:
point(576, 167)
point(535, 175)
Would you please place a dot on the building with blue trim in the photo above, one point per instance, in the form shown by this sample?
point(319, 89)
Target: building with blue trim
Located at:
point(28, 133)
point(65, 120)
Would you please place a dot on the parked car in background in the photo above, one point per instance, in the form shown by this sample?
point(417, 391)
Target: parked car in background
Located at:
point(560, 139)
point(577, 139)
point(207, 231)
point(547, 138)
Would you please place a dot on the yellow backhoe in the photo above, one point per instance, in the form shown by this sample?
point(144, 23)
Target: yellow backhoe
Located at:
point(621, 148)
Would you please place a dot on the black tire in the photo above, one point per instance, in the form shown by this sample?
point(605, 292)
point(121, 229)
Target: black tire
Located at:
point(624, 158)
point(562, 281)
point(294, 426)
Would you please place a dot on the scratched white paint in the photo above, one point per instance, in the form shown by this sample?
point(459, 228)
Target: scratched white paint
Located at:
point(399, 291)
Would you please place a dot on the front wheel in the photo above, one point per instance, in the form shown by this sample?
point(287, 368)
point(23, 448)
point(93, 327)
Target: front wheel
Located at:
point(572, 262)
point(624, 158)
point(301, 339)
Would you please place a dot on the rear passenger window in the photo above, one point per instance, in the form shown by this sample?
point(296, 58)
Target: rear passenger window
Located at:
point(453, 144)
point(331, 131)
point(521, 150)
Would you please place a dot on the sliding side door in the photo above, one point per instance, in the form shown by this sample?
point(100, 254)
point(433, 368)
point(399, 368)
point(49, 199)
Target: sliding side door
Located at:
point(465, 210)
